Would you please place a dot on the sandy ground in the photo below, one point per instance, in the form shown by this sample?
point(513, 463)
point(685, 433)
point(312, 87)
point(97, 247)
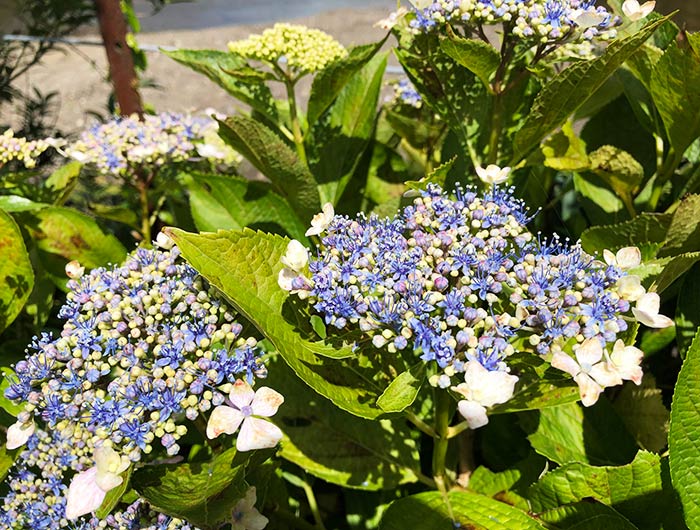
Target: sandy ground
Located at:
point(78, 73)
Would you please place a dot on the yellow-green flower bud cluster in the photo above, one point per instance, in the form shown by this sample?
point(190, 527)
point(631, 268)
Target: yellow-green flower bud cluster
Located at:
point(304, 50)
point(20, 149)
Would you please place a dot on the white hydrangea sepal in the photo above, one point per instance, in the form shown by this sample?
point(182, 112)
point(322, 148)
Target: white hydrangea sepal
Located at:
point(626, 361)
point(87, 490)
point(18, 433)
point(84, 496)
point(625, 258)
point(321, 220)
point(589, 370)
point(492, 174)
point(630, 288)
point(647, 312)
point(634, 11)
point(296, 257)
point(255, 433)
point(481, 389)
point(245, 516)
point(164, 241)
point(589, 19)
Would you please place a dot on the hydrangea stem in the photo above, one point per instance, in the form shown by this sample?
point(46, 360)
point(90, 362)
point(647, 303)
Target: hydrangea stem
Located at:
point(442, 425)
point(294, 118)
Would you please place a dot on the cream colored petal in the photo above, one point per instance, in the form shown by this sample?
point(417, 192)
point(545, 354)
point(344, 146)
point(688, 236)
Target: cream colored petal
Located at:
point(266, 402)
point(285, 278)
point(604, 375)
point(296, 257)
point(649, 303)
point(18, 434)
point(589, 19)
point(630, 288)
point(474, 413)
point(628, 257)
point(84, 495)
point(241, 394)
point(646, 8)
point(565, 363)
point(652, 320)
point(589, 352)
point(609, 257)
point(108, 481)
point(627, 360)
point(257, 434)
point(631, 9)
point(496, 387)
point(589, 390)
point(223, 420)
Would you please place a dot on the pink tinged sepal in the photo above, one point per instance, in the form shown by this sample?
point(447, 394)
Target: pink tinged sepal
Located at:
point(474, 413)
point(266, 402)
point(257, 434)
point(589, 390)
point(84, 495)
point(223, 420)
point(18, 434)
point(626, 362)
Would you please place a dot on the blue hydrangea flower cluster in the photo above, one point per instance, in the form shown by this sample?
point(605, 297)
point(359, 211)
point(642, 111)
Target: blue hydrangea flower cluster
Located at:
point(145, 346)
point(37, 488)
point(125, 144)
point(405, 93)
point(533, 20)
point(460, 278)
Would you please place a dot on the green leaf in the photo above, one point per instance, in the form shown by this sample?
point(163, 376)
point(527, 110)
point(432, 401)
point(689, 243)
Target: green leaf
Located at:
point(476, 56)
point(539, 394)
point(340, 137)
point(684, 435)
point(634, 490)
point(436, 176)
point(6, 376)
point(675, 87)
point(564, 94)
point(688, 310)
point(336, 446)
point(7, 458)
point(508, 485)
point(453, 92)
point(330, 81)
point(202, 493)
point(597, 200)
point(684, 233)
point(643, 229)
point(16, 275)
point(61, 182)
point(674, 268)
point(403, 390)
point(114, 495)
point(228, 202)
point(643, 412)
point(465, 510)
point(244, 266)
point(564, 151)
point(214, 64)
point(274, 159)
point(566, 434)
point(618, 168)
point(586, 515)
point(17, 203)
point(72, 235)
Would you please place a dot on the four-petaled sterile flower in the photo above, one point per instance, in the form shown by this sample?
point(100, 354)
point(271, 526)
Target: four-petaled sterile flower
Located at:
point(321, 220)
point(626, 360)
point(255, 433)
point(87, 490)
point(630, 288)
point(588, 19)
point(647, 312)
point(245, 516)
point(590, 370)
point(492, 174)
point(625, 258)
point(18, 433)
point(482, 388)
point(296, 257)
point(634, 11)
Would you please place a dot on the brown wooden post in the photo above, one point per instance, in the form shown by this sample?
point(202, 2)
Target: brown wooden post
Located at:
point(121, 63)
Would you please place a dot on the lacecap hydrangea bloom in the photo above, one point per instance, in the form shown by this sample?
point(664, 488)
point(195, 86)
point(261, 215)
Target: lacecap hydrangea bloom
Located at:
point(459, 281)
point(302, 49)
point(146, 348)
point(20, 149)
point(405, 93)
point(38, 490)
point(537, 21)
point(127, 144)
